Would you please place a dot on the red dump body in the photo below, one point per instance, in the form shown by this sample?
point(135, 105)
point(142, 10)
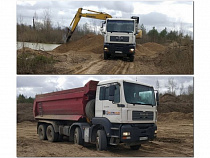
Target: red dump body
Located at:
point(64, 105)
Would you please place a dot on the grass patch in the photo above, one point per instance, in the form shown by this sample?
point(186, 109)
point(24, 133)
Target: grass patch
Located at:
point(32, 63)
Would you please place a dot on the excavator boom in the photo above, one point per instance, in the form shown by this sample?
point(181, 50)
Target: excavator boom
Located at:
point(79, 14)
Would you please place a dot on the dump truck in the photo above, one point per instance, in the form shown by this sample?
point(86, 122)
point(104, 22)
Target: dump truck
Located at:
point(105, 113)
point(120, 34)
point(120, 37)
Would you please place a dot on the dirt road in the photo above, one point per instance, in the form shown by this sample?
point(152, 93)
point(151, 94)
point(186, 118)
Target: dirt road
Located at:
point(175, 135)
point(85, 56)
point(175, 138)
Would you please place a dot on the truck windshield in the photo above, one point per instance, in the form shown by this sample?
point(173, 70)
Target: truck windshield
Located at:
point(120, 26)
point(139, 94)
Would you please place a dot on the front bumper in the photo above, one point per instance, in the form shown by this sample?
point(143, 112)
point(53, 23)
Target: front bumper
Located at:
point(139, 133)
point(119, 49)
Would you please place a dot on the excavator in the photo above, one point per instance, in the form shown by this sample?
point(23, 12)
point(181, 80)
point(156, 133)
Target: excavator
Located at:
point(79, 14)
point(120, 34)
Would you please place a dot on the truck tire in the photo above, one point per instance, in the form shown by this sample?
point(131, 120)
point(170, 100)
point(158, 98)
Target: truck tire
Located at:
point(78, 136)
point(101, 140)
point(131, 58)
point(42, 131)
point(135, 147)
point(90, 109)
point(105, 56)
point(52, 136)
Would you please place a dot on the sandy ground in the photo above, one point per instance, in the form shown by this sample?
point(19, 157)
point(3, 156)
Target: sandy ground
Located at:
point(175, 139)
point(175, 135)
point(85, 56)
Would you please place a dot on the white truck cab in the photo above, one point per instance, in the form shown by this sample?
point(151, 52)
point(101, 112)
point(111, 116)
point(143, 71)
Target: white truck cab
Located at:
point(127, 110)
point(120, 37)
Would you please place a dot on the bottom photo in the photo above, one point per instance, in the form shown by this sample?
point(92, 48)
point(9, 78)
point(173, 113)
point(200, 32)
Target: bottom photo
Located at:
point(105, 116)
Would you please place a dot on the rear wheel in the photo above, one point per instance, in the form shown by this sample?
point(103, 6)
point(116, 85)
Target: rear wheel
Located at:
point(78, 137)
point(135, 147)
point(101, 140)
point(52, 136)
point(42, 132)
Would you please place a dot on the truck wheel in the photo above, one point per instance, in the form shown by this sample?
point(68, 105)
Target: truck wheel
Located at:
point(78, 137)
point(42, 132)
point(131, 58)
point(52, 136)
point(135, 147)
point(101, 140)
point(105, 56)
point(90, 109)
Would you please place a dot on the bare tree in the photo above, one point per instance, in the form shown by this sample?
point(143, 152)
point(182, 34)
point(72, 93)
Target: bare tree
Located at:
point(171, 86)
point(47, 20)
point(190, 89)
point(181, 89)
point(158, 85)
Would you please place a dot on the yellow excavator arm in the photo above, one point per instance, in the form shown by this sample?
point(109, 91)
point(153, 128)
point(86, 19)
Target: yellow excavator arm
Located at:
point(79, 14)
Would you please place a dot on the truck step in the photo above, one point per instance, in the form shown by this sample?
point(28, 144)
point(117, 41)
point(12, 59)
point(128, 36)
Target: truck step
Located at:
point(113, 144)
point(113, 136)
point(114, 128)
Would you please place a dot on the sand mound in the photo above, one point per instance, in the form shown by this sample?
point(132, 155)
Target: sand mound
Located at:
point(171, 103)
point(175, 116)
point(154, 46)
point(89, 42)
point(25, 112)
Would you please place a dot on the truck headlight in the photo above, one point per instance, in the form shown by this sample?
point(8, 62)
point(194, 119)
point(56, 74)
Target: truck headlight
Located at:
point(131, 50)
point(155, 131)
point(126, 133)
point(106, 49)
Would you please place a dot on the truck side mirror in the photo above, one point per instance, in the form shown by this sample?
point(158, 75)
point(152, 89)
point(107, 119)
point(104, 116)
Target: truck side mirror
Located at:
point(111, 92)
point(157, 98)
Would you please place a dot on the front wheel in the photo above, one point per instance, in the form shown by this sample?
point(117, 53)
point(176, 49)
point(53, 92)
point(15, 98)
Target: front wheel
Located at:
point(131, 58)
point(78, 137)
point(101, 140)
point(105, 56)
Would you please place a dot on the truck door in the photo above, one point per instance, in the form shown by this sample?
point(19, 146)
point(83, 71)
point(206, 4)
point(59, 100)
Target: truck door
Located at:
point(110, 103)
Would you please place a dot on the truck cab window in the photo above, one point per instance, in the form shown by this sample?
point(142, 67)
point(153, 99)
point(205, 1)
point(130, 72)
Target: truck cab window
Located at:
point(104, 94)
point(117, 94)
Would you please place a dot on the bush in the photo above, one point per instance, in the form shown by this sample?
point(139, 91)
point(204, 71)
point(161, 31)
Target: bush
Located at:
point(31, 63)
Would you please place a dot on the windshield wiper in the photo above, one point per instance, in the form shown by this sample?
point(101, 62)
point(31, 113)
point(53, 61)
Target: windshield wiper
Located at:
point(136, 103)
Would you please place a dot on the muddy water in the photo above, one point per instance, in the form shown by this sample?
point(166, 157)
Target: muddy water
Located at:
point(37, 46)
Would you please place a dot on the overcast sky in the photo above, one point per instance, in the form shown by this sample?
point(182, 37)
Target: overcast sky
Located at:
point(171, 14)
point(32, 85)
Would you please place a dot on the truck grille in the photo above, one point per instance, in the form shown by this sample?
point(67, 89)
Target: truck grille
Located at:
point(119, 38)
point(141, 115)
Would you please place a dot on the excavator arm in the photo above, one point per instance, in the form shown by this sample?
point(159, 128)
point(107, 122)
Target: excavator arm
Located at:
point(79, 14)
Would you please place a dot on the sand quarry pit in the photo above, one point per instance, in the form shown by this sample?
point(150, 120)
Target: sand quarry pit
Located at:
point(85, 56)
point(175, 135)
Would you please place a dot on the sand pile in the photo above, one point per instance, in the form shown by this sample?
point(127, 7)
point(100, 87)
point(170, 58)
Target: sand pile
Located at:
point(90, 42)
point(171, 103)
point(25, 112)
point(154, 46)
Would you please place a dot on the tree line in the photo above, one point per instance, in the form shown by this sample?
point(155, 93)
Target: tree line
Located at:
point(163, 36)
point(43, 31)
point(24, 99)
point(173, 88)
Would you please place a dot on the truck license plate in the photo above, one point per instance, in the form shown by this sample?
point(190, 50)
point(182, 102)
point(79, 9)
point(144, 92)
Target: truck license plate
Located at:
point(143, 138)
point(118, 51)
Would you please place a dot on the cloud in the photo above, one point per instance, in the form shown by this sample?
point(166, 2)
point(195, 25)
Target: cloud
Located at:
point(152, 13)
point(32, 85)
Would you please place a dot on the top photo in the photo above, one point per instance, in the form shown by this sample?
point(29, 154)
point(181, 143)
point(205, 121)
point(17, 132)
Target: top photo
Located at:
point(105, 37)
